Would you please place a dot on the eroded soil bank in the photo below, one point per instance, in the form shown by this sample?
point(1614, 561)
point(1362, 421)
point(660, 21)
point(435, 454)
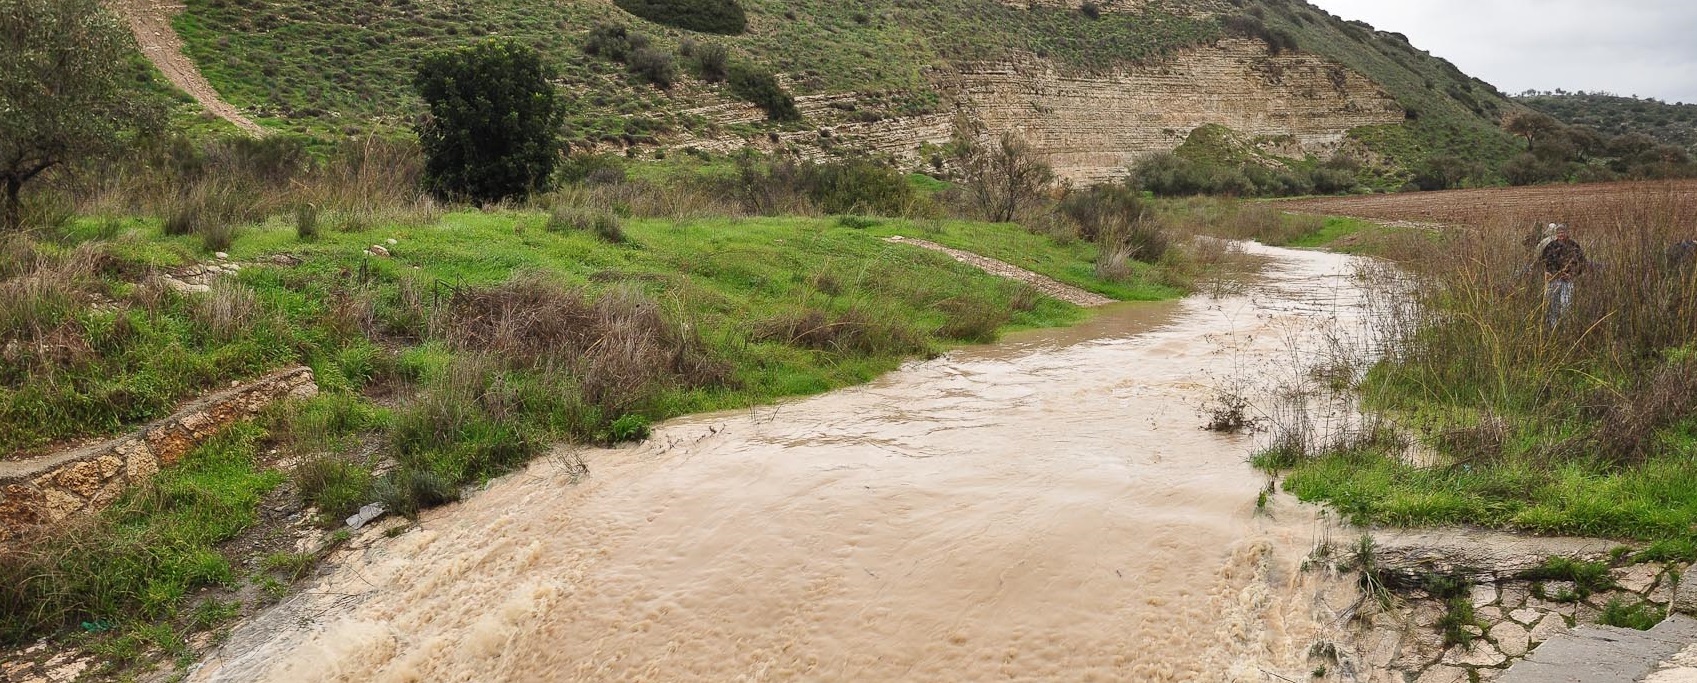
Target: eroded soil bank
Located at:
point(1045, 508)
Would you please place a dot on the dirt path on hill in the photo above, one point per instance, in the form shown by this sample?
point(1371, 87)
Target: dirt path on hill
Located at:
point(1043, 283)
point(150, 21)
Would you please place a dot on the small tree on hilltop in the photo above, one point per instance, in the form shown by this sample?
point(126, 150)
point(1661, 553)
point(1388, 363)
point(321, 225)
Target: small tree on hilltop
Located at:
point(493, 127)
point(64, 94)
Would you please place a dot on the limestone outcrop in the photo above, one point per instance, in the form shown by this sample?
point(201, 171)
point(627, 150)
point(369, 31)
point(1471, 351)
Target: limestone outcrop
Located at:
point(52, 488)
point(1093, 126)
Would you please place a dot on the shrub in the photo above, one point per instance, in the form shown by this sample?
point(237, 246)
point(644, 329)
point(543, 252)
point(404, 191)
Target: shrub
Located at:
point(711, 62)
point(1446, 172)
point(227, 311)
point(724, 17)
point(858, 186)
point(335, 485)
point(851, 331)
point(1004, 177)
point(628, 428)
point(207, 205)
point(599, 223)
point(972, 320)
point(494, 118)
point(653, 65)
point(218, 235)
point(594, 169)
point(761, 88)
point(613, 41)
point(1114, 216)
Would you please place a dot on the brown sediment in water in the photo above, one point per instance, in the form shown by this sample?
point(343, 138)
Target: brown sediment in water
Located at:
point(1041, 509)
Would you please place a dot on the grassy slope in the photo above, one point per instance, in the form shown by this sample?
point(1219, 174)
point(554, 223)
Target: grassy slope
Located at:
point(1456, 114)
point(141, 564)
point(721, 274)
point(339, 66)
point(334, 65)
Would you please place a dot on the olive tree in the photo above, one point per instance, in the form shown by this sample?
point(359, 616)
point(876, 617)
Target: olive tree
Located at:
point(493, 127)
point(67, 92)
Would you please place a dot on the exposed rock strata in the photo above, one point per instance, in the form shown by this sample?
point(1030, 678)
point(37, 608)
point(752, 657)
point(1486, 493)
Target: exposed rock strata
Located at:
point(1093, 126)
point(54, 487)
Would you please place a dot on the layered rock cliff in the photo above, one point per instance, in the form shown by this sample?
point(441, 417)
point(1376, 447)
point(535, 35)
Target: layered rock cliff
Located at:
point(1091, 127)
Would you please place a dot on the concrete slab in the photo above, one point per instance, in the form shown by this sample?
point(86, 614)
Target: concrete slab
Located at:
point(1483, 555)
point(1605, 654)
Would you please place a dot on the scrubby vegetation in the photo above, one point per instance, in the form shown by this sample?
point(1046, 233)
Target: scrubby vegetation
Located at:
point(1667, 123)
point(1589, 427)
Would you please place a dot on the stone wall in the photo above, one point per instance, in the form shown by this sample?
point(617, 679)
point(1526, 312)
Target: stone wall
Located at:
point(51, 488)
point(1511, 614)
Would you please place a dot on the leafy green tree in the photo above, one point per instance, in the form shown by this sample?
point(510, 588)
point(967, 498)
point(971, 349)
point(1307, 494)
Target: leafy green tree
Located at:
point(494, 121)
point(66, 92)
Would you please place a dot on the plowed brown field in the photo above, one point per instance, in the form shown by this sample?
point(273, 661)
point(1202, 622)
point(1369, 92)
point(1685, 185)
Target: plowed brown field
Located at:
point(1579, 204)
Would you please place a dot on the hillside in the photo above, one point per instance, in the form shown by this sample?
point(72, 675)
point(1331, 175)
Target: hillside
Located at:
point(1095, 85)
point(1668, 123)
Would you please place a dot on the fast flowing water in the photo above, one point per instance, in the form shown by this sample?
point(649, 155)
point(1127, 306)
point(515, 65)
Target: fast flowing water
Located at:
point(1046, 508)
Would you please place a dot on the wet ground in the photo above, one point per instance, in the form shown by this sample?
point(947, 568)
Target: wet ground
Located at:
point(1043, 508)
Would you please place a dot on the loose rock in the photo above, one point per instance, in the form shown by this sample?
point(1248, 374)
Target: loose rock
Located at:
point(1512, 639)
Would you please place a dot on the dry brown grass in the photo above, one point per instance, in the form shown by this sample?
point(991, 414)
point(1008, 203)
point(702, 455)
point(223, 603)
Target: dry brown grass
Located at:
point(621, 346)
point(1477, 336)
point(852, 331)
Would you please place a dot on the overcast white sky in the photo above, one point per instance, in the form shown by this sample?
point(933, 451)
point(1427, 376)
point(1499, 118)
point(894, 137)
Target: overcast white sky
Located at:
point(1646, 48)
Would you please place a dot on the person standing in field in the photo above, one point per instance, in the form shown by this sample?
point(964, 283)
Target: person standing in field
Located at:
point(1563, 260)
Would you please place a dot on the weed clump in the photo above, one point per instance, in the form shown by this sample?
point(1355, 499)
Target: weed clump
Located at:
point(851, 331)
point(1638, 615)
point(602, 224)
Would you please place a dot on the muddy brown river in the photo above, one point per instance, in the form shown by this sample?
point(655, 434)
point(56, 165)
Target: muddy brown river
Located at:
point(1046, 508)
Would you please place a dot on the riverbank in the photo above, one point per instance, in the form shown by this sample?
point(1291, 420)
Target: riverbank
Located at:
point(1044, 507)
point(449, 350)
point(1475, 412)
point(1587, 428)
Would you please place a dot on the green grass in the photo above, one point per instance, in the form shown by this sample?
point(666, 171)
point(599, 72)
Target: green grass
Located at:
point(332, 66)
point(721, 275)
point(147, 552)
point(1642, 616)
point(1334, 229)
point(453, 415)
point(1654, 502)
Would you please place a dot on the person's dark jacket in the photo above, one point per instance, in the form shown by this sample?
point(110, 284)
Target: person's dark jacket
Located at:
point(1563, 259)
point(1682, 254)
